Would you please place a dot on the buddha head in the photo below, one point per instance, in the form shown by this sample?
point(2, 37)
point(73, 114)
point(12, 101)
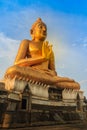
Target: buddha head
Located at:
point(39, 30)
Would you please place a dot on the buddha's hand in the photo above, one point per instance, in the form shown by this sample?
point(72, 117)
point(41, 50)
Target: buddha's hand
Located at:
point(46, 50)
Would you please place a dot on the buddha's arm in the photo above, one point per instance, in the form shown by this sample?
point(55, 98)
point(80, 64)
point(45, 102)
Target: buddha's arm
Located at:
point(30, 61)
point(22, 54)
point(52, 63)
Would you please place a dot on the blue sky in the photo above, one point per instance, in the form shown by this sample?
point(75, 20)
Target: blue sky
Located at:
point(67, 30)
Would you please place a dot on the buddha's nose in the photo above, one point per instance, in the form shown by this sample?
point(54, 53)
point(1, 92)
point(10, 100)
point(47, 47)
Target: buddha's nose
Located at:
point(44, 30)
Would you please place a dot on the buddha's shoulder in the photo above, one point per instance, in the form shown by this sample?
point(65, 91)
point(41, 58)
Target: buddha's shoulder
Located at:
point(25, 42)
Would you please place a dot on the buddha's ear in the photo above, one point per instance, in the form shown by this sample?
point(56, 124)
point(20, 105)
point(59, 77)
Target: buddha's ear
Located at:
point(31, 31)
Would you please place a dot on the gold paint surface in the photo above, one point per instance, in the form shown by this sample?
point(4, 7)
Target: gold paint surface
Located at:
point(35, 60)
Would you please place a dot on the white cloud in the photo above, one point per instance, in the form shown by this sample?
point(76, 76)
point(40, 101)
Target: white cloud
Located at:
point(74, 44)
point(85, 45)
point(85, 70)
point(83, 81)
point(8, 50)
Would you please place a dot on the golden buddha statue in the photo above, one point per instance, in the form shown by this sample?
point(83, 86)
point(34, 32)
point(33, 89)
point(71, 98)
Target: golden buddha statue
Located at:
point(35, 60)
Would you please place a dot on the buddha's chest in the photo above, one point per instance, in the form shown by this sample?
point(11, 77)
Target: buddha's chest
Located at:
point(35, 50)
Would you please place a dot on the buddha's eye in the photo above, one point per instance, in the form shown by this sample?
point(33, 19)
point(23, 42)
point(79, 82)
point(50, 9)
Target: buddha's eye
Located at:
point(40, 26)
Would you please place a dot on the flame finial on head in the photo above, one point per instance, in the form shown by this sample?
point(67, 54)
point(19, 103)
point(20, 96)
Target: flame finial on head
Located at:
point(39, 20)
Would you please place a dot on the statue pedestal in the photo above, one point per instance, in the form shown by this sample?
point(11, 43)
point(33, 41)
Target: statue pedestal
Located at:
point(27, 102)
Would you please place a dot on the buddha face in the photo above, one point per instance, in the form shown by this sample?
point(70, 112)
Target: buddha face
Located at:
point(39, 32)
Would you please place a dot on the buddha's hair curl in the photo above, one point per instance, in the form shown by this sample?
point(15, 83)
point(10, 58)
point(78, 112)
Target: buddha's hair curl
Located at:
point(38, 21)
